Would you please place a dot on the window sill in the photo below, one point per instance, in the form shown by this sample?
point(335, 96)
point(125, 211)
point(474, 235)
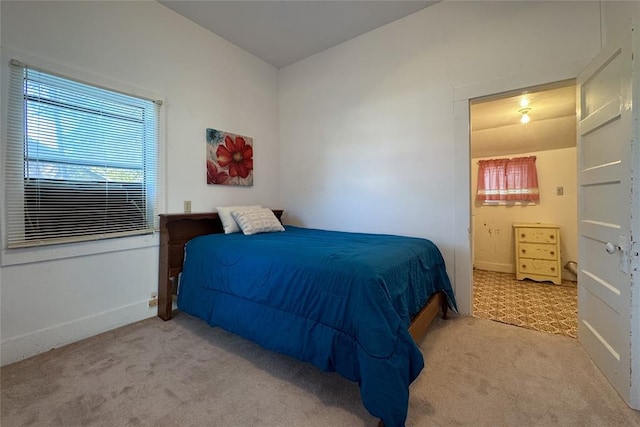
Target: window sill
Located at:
point(507, 203)
point(20, 256)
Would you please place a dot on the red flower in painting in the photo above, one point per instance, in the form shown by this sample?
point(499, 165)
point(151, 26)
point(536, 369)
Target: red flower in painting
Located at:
point(213, 176)
point(237, 155)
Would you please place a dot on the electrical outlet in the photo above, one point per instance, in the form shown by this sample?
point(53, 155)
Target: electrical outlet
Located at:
point(154, 299)
point(187, 206)
point(559, 191)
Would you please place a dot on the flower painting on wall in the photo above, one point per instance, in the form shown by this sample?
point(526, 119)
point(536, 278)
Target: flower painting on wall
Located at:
point(229, 158)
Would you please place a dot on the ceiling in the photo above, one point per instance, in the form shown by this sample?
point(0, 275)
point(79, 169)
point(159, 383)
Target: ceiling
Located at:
point(283, 32)
point(495, 121)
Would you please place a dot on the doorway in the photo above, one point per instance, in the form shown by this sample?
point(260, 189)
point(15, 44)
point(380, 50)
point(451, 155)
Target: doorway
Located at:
point(462, 266)
point(540, 122)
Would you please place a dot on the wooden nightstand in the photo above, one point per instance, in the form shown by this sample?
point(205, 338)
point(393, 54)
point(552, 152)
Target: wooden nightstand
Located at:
point(538, 252)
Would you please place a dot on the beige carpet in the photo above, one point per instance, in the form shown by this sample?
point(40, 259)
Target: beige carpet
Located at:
point(541, 306)
point(184, 373)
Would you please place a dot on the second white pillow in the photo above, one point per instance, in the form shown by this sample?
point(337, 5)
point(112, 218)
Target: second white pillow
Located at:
point(229, 224)
point(257, 221)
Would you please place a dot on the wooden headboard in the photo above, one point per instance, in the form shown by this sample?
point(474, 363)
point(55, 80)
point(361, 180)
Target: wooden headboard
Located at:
point(175, 231)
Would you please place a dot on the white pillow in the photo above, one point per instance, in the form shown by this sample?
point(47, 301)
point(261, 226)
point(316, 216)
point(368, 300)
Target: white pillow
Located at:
point(228, 223)
point(257, 221)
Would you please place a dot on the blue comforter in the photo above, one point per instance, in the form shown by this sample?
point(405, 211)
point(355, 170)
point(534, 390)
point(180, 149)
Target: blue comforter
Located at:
point(342, 301)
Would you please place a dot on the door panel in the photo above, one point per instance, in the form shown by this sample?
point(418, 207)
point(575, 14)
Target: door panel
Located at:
point(602, 289)
point(596, 150)
point(602, 174)
point(603, 82)
point(603, 318)
point(599, 230)
point(607, 195)
point(604, 212)
point(602, 274)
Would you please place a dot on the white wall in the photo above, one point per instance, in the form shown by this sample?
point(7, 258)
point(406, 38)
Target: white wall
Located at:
point(204, 81)
point(493, 232)
point(616, 18)
point(371, 129)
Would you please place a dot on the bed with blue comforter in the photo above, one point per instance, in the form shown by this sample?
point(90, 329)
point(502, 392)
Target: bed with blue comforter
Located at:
point(341, 301)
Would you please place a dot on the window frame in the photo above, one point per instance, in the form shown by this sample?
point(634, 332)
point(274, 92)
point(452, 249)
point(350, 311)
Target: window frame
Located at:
point(23, 255)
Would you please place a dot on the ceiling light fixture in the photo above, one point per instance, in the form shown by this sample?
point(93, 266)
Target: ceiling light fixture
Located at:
point(525, 115)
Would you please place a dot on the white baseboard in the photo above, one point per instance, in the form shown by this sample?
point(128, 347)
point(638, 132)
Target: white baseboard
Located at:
point(494, 266)
point(510, 268)
point(23, 346)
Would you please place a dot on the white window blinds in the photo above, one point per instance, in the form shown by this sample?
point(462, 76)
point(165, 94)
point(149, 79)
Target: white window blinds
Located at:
point(81, 161)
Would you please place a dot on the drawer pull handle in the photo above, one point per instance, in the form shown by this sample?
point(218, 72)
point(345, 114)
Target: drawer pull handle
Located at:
point(524, 251)
point(553, 269)
point(524, 266)
point(551, 236)
point(552, 253)
point(522, 235)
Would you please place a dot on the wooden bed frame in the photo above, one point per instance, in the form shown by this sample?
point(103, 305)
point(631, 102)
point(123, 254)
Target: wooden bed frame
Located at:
point(177, 229)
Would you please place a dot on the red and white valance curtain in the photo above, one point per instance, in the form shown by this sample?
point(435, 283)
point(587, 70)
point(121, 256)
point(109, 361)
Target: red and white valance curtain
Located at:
point(508, 180)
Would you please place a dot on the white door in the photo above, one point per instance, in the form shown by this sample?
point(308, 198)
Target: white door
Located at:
point(607, 213)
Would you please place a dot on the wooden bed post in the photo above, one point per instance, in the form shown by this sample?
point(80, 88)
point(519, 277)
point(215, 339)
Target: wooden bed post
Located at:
point(165, 288)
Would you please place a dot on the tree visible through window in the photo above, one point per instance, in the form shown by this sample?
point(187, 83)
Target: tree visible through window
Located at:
point(514, 180)
point(81, 161)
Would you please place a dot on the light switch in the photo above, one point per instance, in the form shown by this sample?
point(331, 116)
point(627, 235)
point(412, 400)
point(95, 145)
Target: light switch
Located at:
point(559, 191)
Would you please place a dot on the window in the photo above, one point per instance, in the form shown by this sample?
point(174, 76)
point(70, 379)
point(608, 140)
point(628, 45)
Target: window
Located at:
point(81, 161)
point(513, 180)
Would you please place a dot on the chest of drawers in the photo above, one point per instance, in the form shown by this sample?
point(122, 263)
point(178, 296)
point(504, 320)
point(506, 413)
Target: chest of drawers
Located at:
point(537, 249)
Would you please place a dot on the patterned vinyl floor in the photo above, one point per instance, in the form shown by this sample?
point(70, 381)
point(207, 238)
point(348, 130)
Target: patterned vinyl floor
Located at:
point(541, 306)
